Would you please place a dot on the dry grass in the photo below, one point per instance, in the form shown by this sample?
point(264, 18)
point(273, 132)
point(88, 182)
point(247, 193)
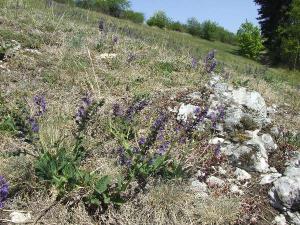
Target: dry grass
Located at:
point(68, 64)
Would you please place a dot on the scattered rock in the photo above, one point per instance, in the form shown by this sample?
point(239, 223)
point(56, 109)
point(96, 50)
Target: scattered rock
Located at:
point(200, 188)
point(221, 170)
point(286, 193)
point(279, 220)
point(20, 218)
point(294, 218)
point(216, 140)
point(186, 111)
point(213, 181)
point(242, 175)
point(108, 56)
point(236, 190)
point(269, 178)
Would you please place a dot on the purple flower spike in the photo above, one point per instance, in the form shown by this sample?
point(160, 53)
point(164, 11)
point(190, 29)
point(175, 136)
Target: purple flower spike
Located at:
point(221, 112)
point(194, 63)
point(210, 55)
point(4, 190)
point(163, 148)
point(217, 150)
point(40, 105)
point(87, 100)
point(34, 124)
point(117, 110)
point(101, 25)
point(115, 40)
point(142, 141)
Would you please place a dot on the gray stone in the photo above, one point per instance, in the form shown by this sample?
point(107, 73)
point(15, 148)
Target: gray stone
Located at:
point(279, 220)
point(242, 175)
point(294, 217)
point(286, 193)
point(213, 181)
point(186, 111)
point(269, 178)
point(236, 190)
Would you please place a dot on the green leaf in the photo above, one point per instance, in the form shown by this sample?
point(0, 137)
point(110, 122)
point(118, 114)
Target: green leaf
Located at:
point(102, 184)
point(95, 201)
point(106, 198)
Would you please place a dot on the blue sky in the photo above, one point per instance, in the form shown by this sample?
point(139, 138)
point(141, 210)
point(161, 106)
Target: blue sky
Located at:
point(227, 13)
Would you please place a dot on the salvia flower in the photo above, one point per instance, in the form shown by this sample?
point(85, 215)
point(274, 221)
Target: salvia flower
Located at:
point(221, 111)
point(194, 63)
point(210, 55)
point(213, 119)
point(4, 190)
point(163, 148)
point(217, 151)
point(117, 110)
point(40, 105)
point(130, 57)
point(142, 141)
point(211, 67)
point(123, 160)
point(159, 122)
point(34, 125)
point(81, 113)
point(115, 40)
point(101, 25)
point(132, 110)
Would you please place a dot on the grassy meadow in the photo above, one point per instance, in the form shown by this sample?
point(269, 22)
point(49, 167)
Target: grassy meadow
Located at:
point(59, 53)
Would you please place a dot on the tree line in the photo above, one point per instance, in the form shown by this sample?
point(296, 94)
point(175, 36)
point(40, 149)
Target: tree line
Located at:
point(276, 41)
point(208, 29)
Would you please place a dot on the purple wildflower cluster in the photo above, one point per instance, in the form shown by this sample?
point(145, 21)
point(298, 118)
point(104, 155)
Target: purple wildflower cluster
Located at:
point(40, 107)
point(4, 190)
point(115, 40)
point(81, 113)
point(123, 159)
point(217, 151)
point(144, 144)
point(194, 63)
point(117, 110)
point(131, 57)
point(135, 108)
point(210, 61)
point(101, 25)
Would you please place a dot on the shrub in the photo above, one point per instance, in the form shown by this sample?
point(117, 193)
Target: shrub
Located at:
point(209, 29)
point(250, 40)
point(135, 17)
point(159, 19)
point(194, 27)
point(176, 26)
point(111, 7)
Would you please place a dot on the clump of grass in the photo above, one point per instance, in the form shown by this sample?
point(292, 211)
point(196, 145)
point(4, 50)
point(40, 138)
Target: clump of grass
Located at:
point(168, 203)
point(219, 210)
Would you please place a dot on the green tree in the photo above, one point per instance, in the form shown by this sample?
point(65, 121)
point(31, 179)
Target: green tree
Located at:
point(273, 14)
point(209, 29)
point(250, 40)
point(135, 17)
point(159, 19)
point(176, 26)
point(194, 27)
point(111, 7)
point(290, 37)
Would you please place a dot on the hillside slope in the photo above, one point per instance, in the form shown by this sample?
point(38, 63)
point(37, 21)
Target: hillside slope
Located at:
point(78, 104)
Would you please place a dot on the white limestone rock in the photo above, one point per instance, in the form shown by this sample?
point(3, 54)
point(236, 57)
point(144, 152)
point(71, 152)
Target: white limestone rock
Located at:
point(242, 175)
point(269, 178)
point(186, 111)
point(279, 220)
point(213, 181)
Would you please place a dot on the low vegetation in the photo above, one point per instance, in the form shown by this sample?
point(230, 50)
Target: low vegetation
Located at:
point(86, 135)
